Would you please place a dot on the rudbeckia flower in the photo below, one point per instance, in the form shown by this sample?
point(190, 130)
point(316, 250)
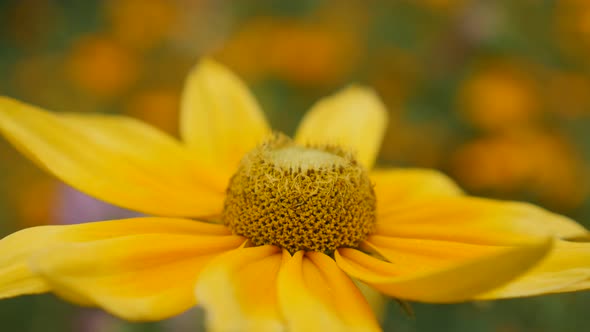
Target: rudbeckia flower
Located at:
point(267, 232)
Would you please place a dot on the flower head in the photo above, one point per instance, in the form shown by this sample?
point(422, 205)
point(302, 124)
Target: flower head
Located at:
point(297, 198)
point(270, 231)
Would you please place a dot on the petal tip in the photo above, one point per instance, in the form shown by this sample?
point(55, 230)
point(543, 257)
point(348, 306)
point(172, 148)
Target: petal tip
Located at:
point(209, 66)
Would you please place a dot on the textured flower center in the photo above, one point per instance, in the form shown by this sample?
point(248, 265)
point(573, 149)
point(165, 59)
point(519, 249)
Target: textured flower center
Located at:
point(300, 198)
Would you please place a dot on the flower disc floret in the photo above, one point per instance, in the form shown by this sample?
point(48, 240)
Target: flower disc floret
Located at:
point(300, 198)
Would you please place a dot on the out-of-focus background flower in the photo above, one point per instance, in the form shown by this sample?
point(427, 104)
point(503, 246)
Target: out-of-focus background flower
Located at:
point(494, 93)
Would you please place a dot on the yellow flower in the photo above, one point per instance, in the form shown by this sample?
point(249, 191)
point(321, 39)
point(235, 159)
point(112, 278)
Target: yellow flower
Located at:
point(276, 244)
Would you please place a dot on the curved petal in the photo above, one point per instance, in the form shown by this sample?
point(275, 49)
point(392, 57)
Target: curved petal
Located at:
point(565, 269)
point(138, 269)
point(354, 118)
point(444, 283)
point(239, 290)
point(315, 295)
point(474, 220)
point(423, 255)
point(461, 238)
point(397, 186)
point(113, 158)
point(220, 119)
point(16, 277)
point(578, 286)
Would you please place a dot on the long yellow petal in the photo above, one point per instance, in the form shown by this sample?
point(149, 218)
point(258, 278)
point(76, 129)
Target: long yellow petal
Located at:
point(394, 187)
point(239, 290)
point(578, 286)
point(442, 284)
point(443, 237)
point(565, 269)
point(16, 277)
point(354, 118)
point(220, 119)
point(138, 269)
point(474, 220)
point(116, 159)
point(315, 295)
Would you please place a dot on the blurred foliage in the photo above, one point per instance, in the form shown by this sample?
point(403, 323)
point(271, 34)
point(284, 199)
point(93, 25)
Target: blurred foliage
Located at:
point(494, 93)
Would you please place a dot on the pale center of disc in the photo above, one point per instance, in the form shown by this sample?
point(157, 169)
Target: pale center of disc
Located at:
point(304, 158)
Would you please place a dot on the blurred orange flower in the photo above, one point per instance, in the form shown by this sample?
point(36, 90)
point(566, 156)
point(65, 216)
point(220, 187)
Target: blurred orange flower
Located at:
point(299, 52)
point(141, 24)
point(101, 67)
point(530, 161)
point(499, 96)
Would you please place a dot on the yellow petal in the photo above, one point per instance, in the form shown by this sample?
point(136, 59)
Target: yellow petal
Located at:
point(474, 220)
point(354, 118)
point(444, 237)
point(315, 295)
point(565, 269)
point(220, 119)
point(116, 159)
point(130, 276)
point(442, 284)
point(16, 277)
point(394, 187)
point(578, 286)
point(239, 290)
point(423, 255)
point(138, 269)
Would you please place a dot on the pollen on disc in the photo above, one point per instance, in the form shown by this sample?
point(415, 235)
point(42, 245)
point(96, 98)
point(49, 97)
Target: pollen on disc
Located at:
point(300, 198)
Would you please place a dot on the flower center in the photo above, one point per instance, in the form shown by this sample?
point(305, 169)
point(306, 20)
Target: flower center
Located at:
point(300, 198)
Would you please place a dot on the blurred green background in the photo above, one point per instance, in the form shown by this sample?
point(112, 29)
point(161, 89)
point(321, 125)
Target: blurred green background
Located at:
point(494, 93)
